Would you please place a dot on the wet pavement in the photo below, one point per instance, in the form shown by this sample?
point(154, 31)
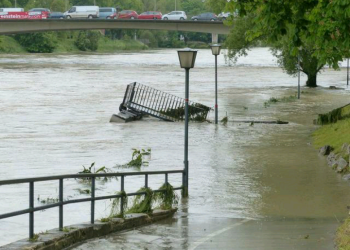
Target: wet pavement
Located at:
point(251, 187)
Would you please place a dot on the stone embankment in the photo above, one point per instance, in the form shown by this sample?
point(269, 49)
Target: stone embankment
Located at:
point(75, 234)
point(340, 161)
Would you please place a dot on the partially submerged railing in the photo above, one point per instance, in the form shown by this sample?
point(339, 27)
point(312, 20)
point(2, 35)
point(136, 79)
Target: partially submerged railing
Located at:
point(146, 100)
point(92, 199)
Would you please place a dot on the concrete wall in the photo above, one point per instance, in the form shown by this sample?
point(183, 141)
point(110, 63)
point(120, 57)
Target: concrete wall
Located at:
point(75, 234)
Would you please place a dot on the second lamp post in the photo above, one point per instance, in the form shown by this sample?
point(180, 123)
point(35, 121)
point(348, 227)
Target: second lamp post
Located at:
point(187, 59)
point(216, 48)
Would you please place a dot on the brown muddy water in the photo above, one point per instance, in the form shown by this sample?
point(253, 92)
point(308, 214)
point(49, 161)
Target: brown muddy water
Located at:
point(55, 112)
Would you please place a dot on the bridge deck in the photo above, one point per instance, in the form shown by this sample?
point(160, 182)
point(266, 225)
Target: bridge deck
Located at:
point(25, 26)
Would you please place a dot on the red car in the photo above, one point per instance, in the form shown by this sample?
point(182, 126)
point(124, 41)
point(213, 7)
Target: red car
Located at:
point(127, 14)
point(151, 15)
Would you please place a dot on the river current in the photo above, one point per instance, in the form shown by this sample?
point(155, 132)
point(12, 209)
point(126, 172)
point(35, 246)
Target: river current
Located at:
point(55, 112)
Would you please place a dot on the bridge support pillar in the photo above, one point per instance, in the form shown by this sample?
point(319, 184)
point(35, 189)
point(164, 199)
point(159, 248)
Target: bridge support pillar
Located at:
point(214, 38)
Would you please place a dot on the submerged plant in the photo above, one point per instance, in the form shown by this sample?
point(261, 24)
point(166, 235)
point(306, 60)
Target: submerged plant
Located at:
point(138, 160)
point(274, 100)
point(115, 209)
point(91, 170)
point(143, 203)
point(167, 198)
point(224, 120)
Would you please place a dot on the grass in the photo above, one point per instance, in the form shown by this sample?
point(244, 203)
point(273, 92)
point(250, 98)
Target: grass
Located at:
point(285, 99)
point(342, 238)
point(335, 135)
point(9, 45)
point(107, 45)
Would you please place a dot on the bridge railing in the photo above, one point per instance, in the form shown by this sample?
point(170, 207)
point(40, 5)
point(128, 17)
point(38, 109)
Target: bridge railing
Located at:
point(61, 202)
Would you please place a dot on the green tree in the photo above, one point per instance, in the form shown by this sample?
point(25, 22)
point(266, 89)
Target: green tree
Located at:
point(87, 40)
point(319, 28)
point(44, 42)
point(194, 7)
point(6, 4)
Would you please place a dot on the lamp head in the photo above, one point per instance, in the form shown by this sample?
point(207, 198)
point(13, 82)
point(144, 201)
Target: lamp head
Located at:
point(187, 58)
point(215, 49)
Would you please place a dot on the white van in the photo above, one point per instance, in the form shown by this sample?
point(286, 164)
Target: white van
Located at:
point(11, 9)
point(82, 12)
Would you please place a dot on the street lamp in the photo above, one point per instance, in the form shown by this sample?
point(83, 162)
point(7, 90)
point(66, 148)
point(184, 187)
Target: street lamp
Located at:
point(215, 49)
point(187, 58)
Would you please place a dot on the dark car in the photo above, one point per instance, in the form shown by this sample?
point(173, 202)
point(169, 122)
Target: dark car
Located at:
point(205, 17)
point(128, 14)
point(56, 15)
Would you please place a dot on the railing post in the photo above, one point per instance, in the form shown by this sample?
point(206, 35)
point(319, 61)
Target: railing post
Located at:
point(146, 180)
point(122, 198)
point(31, 206)
point(92, 200)
point(166, 178)
point(60, 194)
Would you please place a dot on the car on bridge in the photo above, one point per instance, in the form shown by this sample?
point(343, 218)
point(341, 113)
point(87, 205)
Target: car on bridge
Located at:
point(108, 13)
point(205, 17)
point(175, 15)
point(155, 15)
point(127, 14)
point(89, 12)
point(56, 15)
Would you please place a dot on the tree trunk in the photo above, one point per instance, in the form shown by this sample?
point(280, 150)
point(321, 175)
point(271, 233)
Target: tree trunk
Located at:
point(311, 80)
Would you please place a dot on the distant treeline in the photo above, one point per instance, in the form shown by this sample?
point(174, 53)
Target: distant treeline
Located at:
point(102, 41)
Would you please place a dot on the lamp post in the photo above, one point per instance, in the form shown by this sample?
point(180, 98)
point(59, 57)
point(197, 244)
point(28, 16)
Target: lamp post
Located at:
point(187, 58)
point(215, 49)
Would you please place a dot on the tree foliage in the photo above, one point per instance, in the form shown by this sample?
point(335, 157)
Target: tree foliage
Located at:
point(315, 30)
point(87, 40)
point(44, 42)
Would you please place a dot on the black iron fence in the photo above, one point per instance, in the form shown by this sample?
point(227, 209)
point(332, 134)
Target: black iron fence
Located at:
point(92, 199)
point(146, 100)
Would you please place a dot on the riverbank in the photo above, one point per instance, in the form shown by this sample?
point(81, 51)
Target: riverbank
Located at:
point(333, 140)
point(9, 45)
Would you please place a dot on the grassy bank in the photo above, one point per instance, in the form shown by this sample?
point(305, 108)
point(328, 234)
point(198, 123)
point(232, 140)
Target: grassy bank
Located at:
point(107, 45)
point(343, 236)
point(334, 134)
point(8, 45)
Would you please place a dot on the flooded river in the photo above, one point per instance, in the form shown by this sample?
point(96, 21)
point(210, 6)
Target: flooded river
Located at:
point(55, 112)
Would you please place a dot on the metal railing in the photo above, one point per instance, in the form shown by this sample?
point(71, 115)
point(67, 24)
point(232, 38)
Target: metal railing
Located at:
point(146, 100)
point(92, 199)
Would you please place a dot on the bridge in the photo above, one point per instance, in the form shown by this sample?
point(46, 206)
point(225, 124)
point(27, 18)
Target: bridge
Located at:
point(26, 26)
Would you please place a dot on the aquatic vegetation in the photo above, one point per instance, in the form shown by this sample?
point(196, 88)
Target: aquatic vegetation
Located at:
point(224, 120)
point(196, 112)
point(143, 203)
point(168, 198)
point(115, 209)
point(48, 200)
point(35, 238)
point(138, 159)
point(274, 100)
